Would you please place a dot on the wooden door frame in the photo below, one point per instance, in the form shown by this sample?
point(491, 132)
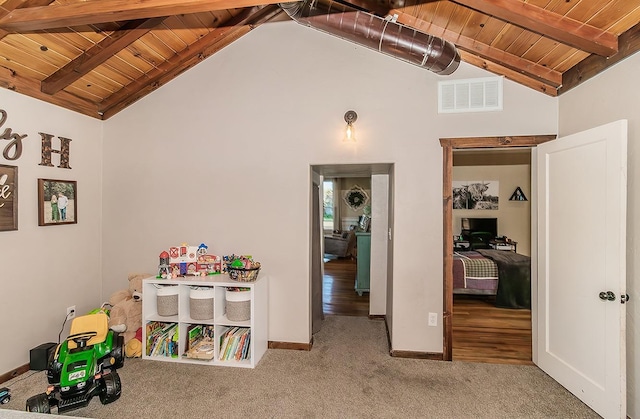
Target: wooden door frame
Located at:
point(448, 145)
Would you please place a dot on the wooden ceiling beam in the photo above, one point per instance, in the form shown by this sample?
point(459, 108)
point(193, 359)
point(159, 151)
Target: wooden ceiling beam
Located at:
point(98, 54)
point(102, 11)
point(217, 39)
point(11, 5)
point(594, 64)
point(544, 22)
point(9, 79)
point(508, 73)
point(526, 68)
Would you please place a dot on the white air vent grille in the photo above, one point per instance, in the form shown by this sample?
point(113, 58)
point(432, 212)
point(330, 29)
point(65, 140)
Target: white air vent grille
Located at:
point(470, 95)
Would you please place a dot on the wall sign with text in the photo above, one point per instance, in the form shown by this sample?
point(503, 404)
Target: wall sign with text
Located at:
point(8, 198)
point(13, 148)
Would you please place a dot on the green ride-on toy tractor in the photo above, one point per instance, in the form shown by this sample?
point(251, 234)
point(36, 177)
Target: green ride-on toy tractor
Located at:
point(84, 365)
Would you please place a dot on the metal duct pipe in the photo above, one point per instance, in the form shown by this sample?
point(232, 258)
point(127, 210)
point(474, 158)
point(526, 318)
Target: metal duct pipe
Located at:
point(377, 33)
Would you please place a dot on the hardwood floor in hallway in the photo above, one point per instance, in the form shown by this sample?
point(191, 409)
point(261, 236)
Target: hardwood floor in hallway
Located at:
point(338, 289)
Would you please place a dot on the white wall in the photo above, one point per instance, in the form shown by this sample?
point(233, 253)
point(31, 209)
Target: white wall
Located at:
point(221, 155)
point(380, 226)
point(46, 269)
point(608, 97)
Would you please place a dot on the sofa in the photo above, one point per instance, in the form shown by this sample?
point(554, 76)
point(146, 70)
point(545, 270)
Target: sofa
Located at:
point(340, 244)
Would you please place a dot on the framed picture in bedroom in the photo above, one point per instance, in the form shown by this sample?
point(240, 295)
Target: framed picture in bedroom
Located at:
point(57, 202)
point(8, 197)
point(476, 194)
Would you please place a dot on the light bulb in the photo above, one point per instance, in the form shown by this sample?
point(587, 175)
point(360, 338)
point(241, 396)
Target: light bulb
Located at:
point(350, 134)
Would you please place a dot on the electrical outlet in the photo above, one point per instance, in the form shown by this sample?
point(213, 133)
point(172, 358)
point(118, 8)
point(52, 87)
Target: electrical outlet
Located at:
point(433, 319)
point(71, 312)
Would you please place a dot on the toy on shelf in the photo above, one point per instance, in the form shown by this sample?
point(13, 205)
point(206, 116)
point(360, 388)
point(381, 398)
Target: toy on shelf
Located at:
point(202, 249)
point(164, 270)
point(242, 268)
point(187, 260)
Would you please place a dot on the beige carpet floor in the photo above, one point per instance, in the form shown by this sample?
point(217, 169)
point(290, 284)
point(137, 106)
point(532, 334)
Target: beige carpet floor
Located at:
point(347, 374)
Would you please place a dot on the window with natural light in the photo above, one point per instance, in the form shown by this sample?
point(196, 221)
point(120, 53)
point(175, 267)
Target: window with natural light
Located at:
point(327, 196)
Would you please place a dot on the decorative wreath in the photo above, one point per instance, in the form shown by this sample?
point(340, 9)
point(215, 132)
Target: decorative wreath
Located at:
point(356, 197)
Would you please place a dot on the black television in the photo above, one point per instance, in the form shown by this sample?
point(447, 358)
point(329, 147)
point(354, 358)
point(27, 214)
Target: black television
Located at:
point(479, 225)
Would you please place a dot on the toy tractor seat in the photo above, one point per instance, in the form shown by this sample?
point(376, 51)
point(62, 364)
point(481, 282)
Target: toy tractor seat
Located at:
point(88, 330)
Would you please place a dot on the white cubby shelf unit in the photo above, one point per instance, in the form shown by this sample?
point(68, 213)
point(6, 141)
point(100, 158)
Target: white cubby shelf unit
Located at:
point(258, 323)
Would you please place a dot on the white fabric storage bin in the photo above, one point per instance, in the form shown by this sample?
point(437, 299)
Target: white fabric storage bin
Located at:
point(201, 303)
point(238, 305)
point(167, 296)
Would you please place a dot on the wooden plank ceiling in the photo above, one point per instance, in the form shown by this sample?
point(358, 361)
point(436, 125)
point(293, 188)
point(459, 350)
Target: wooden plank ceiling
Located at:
point(97, 57)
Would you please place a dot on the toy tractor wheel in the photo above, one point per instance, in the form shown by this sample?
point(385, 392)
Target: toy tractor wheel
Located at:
point(118, 352)
point(111, 388)
point(39, 403)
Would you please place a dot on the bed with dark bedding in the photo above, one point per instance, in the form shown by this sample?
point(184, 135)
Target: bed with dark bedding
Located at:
point(505, 274)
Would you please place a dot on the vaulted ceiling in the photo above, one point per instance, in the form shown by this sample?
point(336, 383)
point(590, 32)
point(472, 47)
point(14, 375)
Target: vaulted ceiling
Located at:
point(97, 57)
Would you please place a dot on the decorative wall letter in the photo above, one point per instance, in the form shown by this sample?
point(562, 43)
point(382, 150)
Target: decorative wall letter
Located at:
point(47, 150)
point(15, 139)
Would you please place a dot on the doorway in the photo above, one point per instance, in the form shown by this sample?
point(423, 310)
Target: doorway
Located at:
point(340, 272)
point(449, 145)
point(482, 331)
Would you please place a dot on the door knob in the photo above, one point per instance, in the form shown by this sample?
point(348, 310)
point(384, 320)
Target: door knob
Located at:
point(624, 298)
point(607, 296)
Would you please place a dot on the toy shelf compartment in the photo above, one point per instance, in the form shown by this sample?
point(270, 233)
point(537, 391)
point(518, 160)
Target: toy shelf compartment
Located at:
point(221, 324)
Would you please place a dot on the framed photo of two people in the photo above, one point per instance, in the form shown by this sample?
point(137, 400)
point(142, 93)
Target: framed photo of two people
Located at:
point(57, 202)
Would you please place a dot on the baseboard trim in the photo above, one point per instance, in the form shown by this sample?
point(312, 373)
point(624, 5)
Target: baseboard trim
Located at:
point(14, 373)
point(377, 317)
point(291, 345)
point(417, 355)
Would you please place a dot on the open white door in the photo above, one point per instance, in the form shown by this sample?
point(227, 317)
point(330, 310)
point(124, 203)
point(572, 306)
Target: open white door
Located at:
point(581, 181)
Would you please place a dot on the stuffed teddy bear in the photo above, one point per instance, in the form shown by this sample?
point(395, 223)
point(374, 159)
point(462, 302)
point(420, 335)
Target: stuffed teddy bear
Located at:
point(126, 308)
